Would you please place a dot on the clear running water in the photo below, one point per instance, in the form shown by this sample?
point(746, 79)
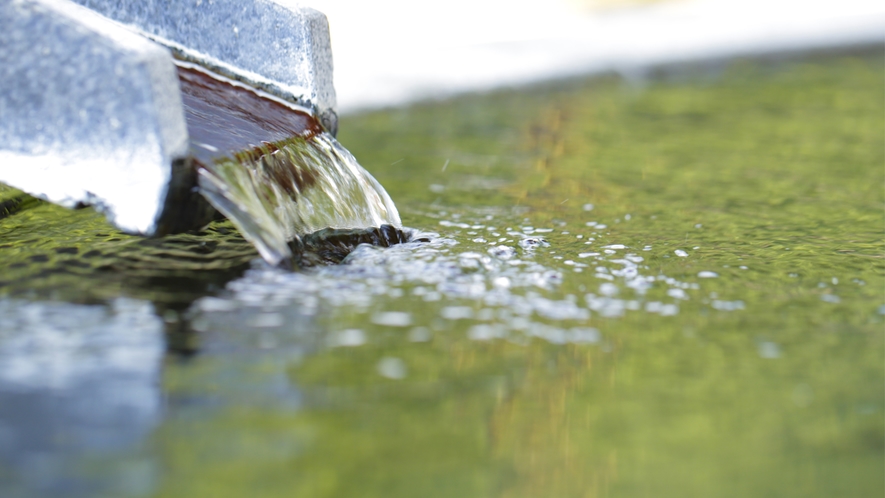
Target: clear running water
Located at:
point(278, 192)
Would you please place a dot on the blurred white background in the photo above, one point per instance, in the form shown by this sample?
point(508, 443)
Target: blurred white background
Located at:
point(389, 52)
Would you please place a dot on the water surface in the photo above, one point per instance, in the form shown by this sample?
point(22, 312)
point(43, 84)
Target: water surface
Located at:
point(672, 288)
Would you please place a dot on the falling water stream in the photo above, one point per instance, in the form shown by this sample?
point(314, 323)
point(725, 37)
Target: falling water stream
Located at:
point(279, 192)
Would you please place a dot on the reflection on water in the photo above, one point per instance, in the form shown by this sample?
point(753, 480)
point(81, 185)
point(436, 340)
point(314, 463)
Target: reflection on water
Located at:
point(666, 291)
point(79, 386)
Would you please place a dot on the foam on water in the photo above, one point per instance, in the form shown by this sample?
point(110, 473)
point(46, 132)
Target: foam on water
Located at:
point(511, 290)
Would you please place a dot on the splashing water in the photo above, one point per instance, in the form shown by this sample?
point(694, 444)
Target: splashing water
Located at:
point(281, 191)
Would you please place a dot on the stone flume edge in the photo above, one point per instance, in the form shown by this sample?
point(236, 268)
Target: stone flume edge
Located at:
point(91, 106)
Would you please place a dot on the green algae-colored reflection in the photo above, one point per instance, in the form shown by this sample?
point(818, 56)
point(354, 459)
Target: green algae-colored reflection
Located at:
point(768, 175)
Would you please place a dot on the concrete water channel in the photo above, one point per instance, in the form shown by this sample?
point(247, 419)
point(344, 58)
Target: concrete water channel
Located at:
point(672, 288)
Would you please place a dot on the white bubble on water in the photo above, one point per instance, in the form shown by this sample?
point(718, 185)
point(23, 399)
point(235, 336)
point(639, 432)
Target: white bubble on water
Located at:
point(530, 243)
point(393, 318)
point(588, 207)
point(266, 320)
point(502, 252)
point(501, 282)
point(606, 306)
point(830, 298)
point(392, 368)
point(348, 338)
point(727, 305)
point(584, 335)
point(708, 274)
point(677, 294)
point(456, 312)
point(608, 289)
point(769, 350)
point(485, 332)
point(681, 253)
point(663, 309)
point(214, 304)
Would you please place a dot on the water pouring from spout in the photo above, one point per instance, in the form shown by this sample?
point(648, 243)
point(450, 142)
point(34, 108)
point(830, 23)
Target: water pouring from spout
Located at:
point(281, 191)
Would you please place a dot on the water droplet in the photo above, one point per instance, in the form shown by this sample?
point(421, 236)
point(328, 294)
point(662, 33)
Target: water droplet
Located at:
point(708, 274)
point(681, 253)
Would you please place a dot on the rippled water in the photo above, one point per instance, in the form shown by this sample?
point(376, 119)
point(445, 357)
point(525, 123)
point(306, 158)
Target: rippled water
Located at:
point(610, 290)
